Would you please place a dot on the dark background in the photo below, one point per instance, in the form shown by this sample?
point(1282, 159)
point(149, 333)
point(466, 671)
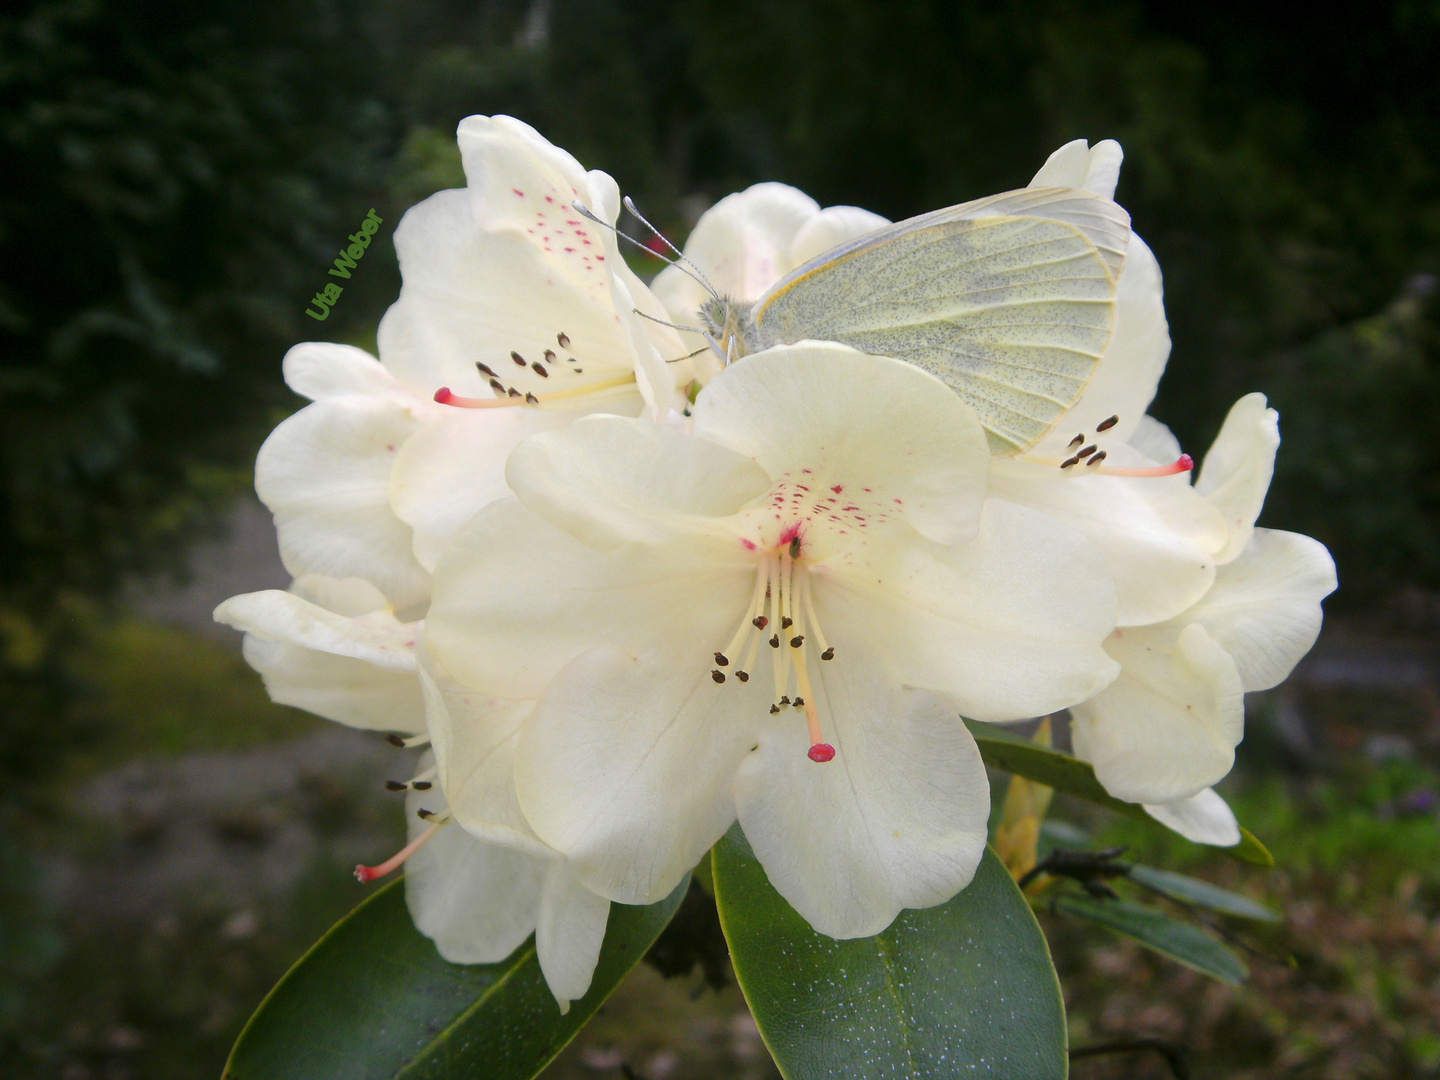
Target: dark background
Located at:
point(176, 177)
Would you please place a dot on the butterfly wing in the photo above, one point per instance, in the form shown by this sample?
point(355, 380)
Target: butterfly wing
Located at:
point(1010, 300)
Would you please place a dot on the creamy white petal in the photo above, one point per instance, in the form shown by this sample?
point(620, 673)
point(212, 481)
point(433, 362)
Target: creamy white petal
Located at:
point(831, 227)
point(1204, 818)
point(354, 666)
point(1006, 626)
point(516, 599)
point(325, 475)
point(477, 901)
point(897, 819)
point(742, 243)
point(1077, 165)
point(322, 369)
point(823, 408)
point(626, 767)
point(375, 637)
point(1155, 441)
point(1124, 382)
point(455, 465)
point(340, 688)
point(474, 292)
point(474, 738)
point(1265, 607)
point(1155, 534)
point(1236, 472)
point(568, 934)
point(607, 480)
point(1167, 728)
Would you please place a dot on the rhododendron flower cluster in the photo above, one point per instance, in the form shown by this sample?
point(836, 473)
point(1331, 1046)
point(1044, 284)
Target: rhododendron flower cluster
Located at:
point(628, 594)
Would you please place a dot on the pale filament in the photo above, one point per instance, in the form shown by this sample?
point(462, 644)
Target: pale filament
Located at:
point(364, 874)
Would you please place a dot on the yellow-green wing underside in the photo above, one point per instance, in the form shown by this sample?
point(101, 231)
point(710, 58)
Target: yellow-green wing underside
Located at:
point(1010, 300)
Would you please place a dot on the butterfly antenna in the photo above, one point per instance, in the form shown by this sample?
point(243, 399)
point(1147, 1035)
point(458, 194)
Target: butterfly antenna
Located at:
point(679, 255)
point(693, 329)
point(584, 211)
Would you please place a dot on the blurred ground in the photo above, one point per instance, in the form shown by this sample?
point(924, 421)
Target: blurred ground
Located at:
point(212, 834)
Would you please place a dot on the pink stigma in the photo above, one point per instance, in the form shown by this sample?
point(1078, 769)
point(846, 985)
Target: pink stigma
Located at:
point(1184, 463)
point(820, 752)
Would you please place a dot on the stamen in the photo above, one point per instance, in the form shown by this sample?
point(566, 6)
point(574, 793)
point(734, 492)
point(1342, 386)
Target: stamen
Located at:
point(1076, 441)
point(404, 743)
point(396, 785)
point(826, 652)
point(364, 874)
point(718, 675)
point(1088, 451)
point(786, 622)
point(484, 369)
point(1095, 460)
point(549, 356)
point(563, 339)
point(1069, 462)
point(797, 641)
point(421, 785)
point(539, 369)
point(519, 360)
point(1106, 425)
point(722, 660)
point(742, 675)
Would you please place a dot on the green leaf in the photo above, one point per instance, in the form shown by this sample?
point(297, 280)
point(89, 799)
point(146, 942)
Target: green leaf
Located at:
point(1188, 944)
point(1009, 753)
point(373, 999)
point(1201, 893)
point(967, 987)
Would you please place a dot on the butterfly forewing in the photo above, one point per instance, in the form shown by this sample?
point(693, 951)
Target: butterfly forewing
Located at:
point(1010, 300)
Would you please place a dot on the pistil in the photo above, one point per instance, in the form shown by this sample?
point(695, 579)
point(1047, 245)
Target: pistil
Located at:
point(364, 874)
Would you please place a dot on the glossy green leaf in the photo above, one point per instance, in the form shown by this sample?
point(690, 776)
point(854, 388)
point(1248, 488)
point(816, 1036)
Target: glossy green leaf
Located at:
point(966, 988)
point(1183, 942)
point(1009, 753)
point(373, 999)
point(1201, 893)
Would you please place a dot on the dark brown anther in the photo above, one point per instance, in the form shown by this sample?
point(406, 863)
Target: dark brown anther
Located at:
point(797, 641)
point(539, 370)
point(1087, 451)
point(519, 360)
point(531, 399)
point(1096, 459)
point(1106, 425)
point(785, 700)
point(578, 370)
point(794, 547)
point(1068, 462)
point(514, 393)
point(743, 676)
point(722, 659)
point(497, 386)
point(549, 356)
point(759, 622)
point(563, 339)
point(484, 369)
point(799, 702)
point(786, 622)
point(774, 641)
point(828, 654)
point(422, 785)
point(395, 740)
point(395, 785)
point(774, 709)
point(424, 814)
point(717, 675)
point(1076, 441)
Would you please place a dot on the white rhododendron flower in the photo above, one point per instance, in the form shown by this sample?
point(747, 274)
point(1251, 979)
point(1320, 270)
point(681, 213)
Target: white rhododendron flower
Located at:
point(510, 298)
point(1167, 728)
point(335, 648)
point(706, 620)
